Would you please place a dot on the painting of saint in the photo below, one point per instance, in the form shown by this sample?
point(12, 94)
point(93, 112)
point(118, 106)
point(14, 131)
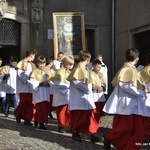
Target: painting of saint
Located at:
point(69, 33)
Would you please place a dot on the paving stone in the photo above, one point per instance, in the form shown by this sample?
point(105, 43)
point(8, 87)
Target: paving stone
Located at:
point(14, 136)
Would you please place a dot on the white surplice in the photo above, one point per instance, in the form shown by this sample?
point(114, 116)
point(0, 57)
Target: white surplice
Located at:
point(126, 99)
point(81, 97)
point(60, 93)
point(9, 85)
point(39, 93)
point(23, 84)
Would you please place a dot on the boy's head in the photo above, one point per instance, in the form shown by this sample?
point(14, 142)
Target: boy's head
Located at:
point(76, 60)
point(148, 59)
point(49, 62)
point(60, 56)
point(30, 54)
point(41, 62)
point(100, 57)
point(13, 61)
point(68, 62)
point(84, 55)
point(96, 64)
point(132, 55)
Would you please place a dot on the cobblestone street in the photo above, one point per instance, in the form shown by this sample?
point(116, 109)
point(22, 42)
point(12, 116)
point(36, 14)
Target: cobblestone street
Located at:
point(14, 136)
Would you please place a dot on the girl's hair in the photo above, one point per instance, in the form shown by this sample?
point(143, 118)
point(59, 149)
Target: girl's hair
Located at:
point(96, 62)
point(131, 54)
point(84, 55)
point(68, 60)
point(41, 59)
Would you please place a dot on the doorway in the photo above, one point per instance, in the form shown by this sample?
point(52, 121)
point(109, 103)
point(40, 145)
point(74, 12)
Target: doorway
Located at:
point(90, 41)
point(142, 43)
point(9, 39)
point(7, 51)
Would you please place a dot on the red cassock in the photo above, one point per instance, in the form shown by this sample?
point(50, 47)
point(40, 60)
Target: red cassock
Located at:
point(146, 126)
point(25, 107)
point(63, 115)
point(98, 111)
point(130, 128)
point(83, 121)
point(42, 112)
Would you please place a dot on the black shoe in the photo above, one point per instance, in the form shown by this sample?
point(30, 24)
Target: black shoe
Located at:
point(70, 129)
point(50, 115)
point(26, 122)
point(18, 120)
point(106, 142)
point(61, 130)
point(76, 137)
point(1, 109)
point(6, 114)
point(35, 123)
point(95, 138)
point(42, 126)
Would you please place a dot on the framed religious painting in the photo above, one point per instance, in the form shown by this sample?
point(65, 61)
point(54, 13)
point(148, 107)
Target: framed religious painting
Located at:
point(69, 32)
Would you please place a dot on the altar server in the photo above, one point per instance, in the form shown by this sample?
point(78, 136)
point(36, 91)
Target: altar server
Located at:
point(25, 107)
point(40, 91)
point(9, 83)
point(126, 103)
point(81, 102)
point(98, 81)
point(145, 77)
point(2, 94)
point(61, 93)
point(104, 71)
point(48, 69)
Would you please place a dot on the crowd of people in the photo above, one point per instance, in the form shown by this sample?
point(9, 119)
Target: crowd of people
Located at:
point(76, 89)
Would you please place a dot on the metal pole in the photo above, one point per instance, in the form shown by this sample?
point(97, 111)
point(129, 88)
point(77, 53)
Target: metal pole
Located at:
point(113, 38)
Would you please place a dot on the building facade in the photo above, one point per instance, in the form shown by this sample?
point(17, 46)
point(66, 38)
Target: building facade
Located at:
point(111, 27)
point(32, 21)
point(132, 29)
point(28, 24)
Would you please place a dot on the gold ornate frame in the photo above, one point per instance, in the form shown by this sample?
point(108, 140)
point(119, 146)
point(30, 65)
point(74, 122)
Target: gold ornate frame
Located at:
point(69, 32)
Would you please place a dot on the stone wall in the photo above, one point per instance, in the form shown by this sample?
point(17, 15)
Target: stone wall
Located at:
point(132, 17)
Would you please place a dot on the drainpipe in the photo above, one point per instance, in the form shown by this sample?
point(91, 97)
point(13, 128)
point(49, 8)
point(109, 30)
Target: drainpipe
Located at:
point(113, 38)
point(112, 45)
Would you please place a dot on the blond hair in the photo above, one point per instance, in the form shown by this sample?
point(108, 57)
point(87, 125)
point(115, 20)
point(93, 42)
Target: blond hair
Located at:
point(68, 60)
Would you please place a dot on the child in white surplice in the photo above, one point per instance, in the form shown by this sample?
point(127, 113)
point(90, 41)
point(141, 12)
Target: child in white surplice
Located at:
point(40, 90)
point(61, 93)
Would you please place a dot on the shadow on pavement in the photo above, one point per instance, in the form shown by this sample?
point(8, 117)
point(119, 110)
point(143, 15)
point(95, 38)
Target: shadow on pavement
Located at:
point(51, 135)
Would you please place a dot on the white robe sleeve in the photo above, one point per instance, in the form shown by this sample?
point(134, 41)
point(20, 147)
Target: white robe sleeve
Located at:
point(51, 84)
point(56, 65)
point(34, 84)
point(1, 77)
point(62, 87)
point(130, 88)
point(86, 88)
point(5, 87)
point(22, 76)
